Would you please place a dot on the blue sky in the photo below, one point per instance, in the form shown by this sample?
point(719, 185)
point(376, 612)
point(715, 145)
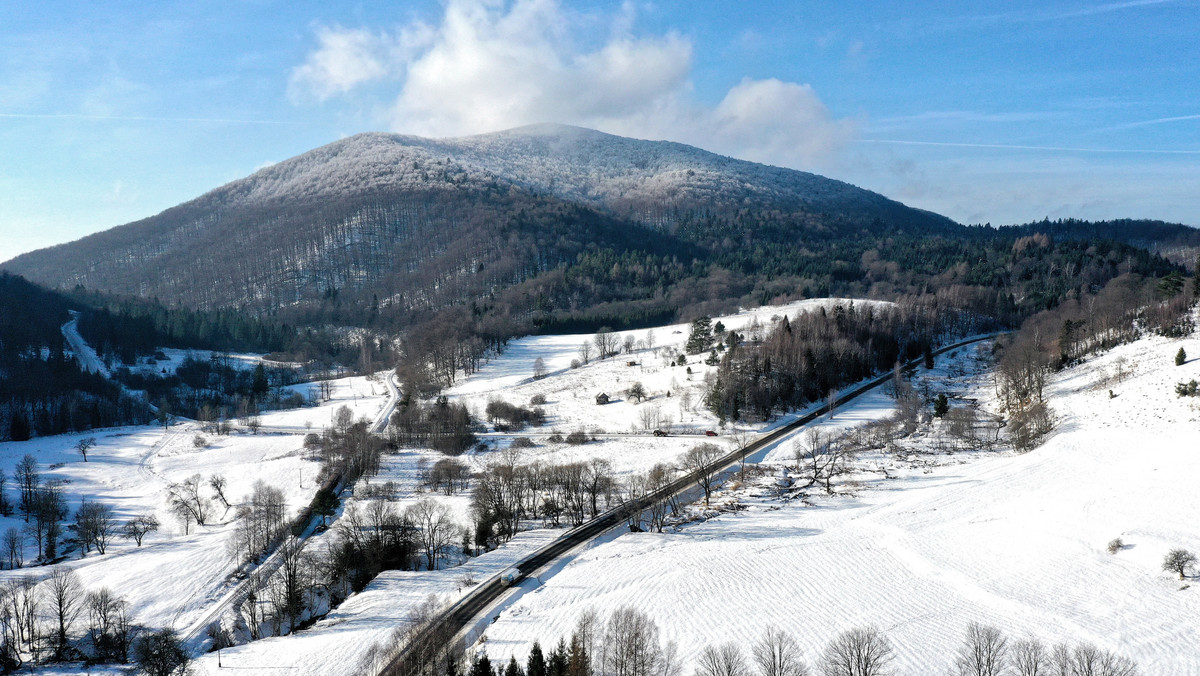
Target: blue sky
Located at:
point(999, 112)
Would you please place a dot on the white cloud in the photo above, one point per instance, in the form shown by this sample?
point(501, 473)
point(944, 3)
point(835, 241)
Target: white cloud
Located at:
point(346, 58)
point(495, 64)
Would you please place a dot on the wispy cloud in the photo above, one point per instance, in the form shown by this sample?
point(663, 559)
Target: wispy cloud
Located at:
point(1042, 15)
point(138, 118)
point(1153, 122)
point(1007, 146)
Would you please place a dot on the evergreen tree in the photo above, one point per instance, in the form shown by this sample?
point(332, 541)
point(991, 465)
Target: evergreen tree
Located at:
point(259, 385)
point(701, 337)
point(513, 669)
point(481, 666)
point(536, 664)
point(941, 405)
point(928, 357)
point(18, 428)
point(1180, 357)
point(559, 660)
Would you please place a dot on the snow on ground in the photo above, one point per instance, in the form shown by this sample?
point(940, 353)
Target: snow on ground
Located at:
point(172, 577)
point(1012, 540)
point(338, 643)
point(365, 396)
point(176, 357)
point(623, 426)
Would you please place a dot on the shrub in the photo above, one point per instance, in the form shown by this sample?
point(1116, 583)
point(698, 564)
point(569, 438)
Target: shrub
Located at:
point(575, 363)
point(537, 400)
point(577, 437)
point(1115, 545)
point(199, 441)
point(555, 438)
point(1187, 389)
point(521, 442)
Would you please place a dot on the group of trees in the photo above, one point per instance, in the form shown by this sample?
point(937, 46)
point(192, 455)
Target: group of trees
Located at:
point(41, 619)
point(1081, 325)
point(510, 417)
point(443, 426)
point(628, 644)
point(803, 359)
point(510, 491)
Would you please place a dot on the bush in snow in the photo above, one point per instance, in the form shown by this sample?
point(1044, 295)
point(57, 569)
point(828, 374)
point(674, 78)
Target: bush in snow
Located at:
point(537, 400)
point(1115, 545)
point(1188, 389)
point(577, 437)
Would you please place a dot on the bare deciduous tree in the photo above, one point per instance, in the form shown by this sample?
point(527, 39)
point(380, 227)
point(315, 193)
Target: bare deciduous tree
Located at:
point(1178, 561)
point(984, 652)
point(14, 547)
point(636, 391)
point(137, 527)
point(436, 528)
point(723, 660)
point(188, 503)
point(630, 646)
point(85, 445)
point(699, 461)
point(585, 351)
point(1030, 658)
point(217, 483)
point(95, 524)
point(863, 651)
point(539, 368)
point(606, 342)
point(778, 654)
point(64, 596)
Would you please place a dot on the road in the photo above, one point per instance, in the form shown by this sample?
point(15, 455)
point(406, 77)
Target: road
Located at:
point(464, 613)
point(85, 356)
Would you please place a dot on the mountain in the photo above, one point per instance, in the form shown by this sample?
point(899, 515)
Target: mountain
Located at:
point(406, 223)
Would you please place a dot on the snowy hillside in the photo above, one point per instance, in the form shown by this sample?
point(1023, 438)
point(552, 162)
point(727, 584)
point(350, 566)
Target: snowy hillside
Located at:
point(1017, 541)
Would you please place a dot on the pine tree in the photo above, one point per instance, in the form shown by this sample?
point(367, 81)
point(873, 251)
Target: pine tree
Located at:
point(701, 336)
point(559, 661)
point(928, 357)
point(1180, 357)
point(536, 665)
point(941, 405)
point(481, 666)
point(18, 427)
point(513, 669)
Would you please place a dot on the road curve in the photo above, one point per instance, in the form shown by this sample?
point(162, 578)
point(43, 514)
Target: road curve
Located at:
point(461, 614)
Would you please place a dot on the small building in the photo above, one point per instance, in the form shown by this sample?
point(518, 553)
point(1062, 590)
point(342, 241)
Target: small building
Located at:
point(601, 399)
point(631, 363)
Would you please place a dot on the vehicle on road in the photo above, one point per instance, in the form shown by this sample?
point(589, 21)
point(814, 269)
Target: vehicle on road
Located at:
point(509, 576)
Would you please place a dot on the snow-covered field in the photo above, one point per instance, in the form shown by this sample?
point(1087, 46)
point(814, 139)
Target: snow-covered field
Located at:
point(1018, 541)
point(173, 578)
point(1012, 540)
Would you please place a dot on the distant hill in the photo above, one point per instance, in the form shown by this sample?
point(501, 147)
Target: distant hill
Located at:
point(413, 222)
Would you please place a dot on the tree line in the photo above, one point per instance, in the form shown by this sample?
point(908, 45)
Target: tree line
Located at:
point(627, 643)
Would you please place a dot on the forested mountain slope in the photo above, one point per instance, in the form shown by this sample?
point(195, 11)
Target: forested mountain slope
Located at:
point(419, 222)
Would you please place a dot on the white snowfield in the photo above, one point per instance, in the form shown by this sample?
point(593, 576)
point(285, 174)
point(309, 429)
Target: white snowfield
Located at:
point(1013, 540)
point(1018, 541)
point(173, 579)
